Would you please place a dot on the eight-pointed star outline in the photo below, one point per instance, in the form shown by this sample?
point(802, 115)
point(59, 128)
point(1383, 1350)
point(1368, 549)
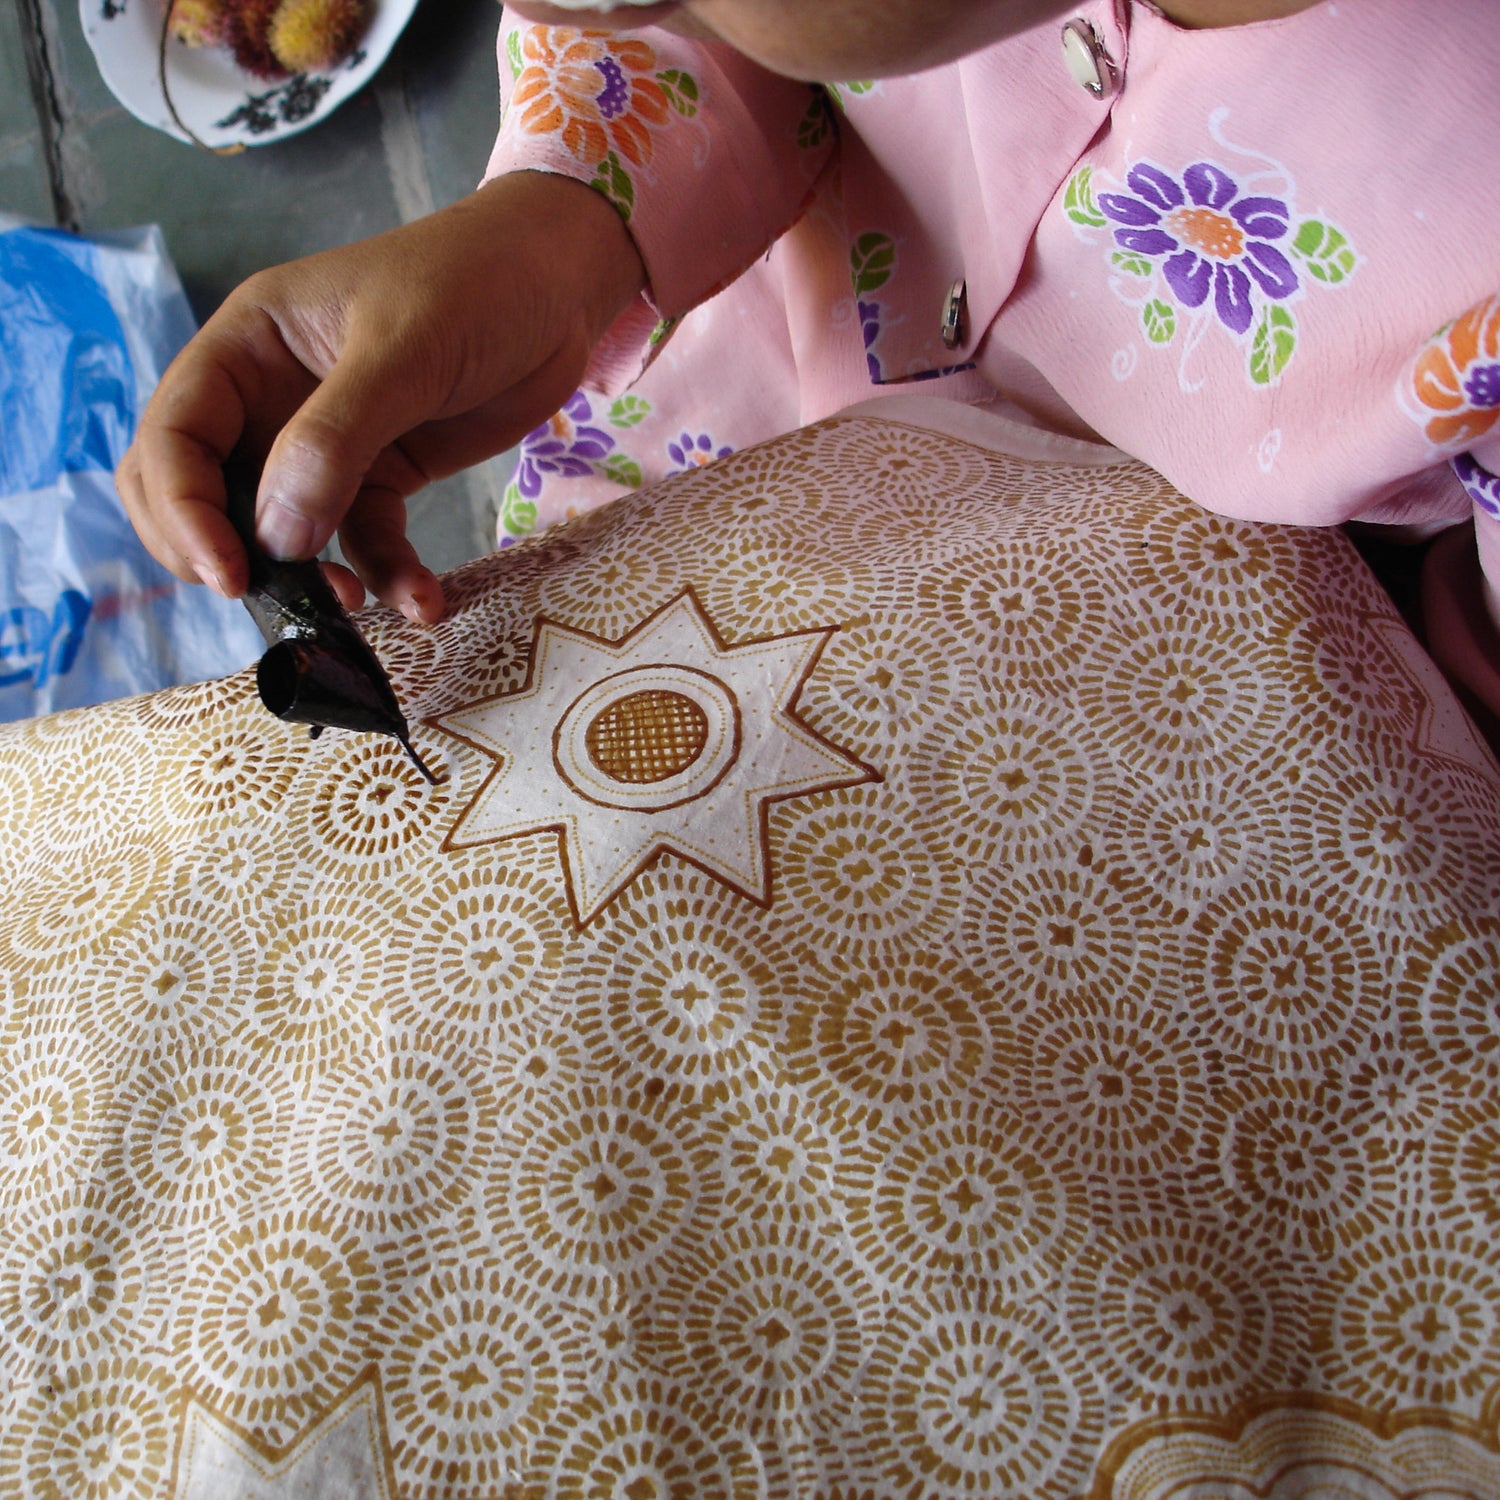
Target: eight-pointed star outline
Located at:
point(699, 739)
point(345, 1451)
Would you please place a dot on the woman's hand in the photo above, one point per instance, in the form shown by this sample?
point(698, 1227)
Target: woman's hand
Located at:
point(365, 372)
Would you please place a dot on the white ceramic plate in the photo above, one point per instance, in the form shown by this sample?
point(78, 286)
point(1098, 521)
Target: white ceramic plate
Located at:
point(218, 101)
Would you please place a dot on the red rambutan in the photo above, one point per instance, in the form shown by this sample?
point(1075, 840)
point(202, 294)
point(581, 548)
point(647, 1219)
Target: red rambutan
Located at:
point(309, 35)
point(198, 23)
point(248, 32)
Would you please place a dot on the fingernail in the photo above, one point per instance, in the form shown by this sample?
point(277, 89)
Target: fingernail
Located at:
point(285, 534)
point(211, 577)
point(425, 606)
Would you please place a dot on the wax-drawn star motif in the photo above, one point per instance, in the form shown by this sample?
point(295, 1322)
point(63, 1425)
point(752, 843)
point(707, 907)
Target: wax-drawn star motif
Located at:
point(345, 1452)
point(665, 740)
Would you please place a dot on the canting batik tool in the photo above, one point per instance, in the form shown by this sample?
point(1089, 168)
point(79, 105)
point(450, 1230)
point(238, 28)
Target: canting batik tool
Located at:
point(317, 669)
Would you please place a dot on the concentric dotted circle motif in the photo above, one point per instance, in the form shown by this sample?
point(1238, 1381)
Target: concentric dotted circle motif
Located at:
point(107, 803)
point(1028, 771)
point(689, 982)
point(1114, 1070)
point(1037, 622)
point(1415, 1317)
point(69, 909)
point(1451, 996)
point(1181, 1309)
point(396, 1142)
point(971, 1197)
point(369, 809)
point(1292, 1159)
point(54, 1097)
point(1258, 573)
point(864, 875)
point(1183, 694)
point(765, 1323)
point(76, 1282)
point(319, 987)
point(103, 1427)
point(754, 578)
point(647, 1437)
point(1042, 931)
point(963, 1401)
point(1131, 1080)
point(477, 950)
point(474, 1374)
point(243, 867)
point(167, 977)
point(225, 774)
point(278, 1319)
point(1288, 969)
point(198, 1133)
point(889, 1035)
point(596, 1186)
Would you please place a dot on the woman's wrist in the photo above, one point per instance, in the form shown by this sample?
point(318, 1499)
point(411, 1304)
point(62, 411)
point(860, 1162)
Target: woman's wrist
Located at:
point(575, 229)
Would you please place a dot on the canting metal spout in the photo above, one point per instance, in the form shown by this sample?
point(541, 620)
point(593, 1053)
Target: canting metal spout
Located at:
point(317, 669)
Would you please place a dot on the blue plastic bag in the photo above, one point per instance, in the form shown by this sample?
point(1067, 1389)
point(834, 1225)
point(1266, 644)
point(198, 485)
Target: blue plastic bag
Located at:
point(86, 614)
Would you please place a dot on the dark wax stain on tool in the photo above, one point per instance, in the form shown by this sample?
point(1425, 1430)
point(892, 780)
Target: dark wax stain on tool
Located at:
point(318, 669)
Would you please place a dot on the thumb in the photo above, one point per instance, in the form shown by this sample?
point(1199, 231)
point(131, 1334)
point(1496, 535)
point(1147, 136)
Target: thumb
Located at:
point(320, 458)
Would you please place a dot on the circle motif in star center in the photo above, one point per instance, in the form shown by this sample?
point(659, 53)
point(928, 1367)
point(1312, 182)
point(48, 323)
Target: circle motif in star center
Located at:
point(649, 738)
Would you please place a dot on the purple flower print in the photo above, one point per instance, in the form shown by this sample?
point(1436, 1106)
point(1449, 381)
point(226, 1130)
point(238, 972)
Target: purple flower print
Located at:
point(1214, 240)
point(690, 452)
point(614, 97)
point(1482, 486)
point(1482, 386)
point(869, 327)
point(563, 444)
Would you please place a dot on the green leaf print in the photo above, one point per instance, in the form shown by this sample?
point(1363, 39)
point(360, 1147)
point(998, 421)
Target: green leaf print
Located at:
point(815, 125)
point(1273, 345)
point(1078, 200)
point(513, 53)
point(1159, 319)
point(871, 261)
point(681, 90)
point(622, 470)
point(1131, 263)
point(1329, 255)
point(517, 514)
point(611, 179)
point(629, 410)
point(836, 91)
point(659, 333)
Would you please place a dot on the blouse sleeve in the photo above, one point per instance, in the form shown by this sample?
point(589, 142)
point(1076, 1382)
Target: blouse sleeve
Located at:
point(1452, 388)
point(707, 157)
point(1473, 628)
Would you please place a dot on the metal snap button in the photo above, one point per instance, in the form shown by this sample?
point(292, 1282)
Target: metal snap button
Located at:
point(955, 309)
point(1087, 61)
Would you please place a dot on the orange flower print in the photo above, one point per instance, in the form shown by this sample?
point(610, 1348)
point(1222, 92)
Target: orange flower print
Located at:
point(1453, 387)
point(593, 89)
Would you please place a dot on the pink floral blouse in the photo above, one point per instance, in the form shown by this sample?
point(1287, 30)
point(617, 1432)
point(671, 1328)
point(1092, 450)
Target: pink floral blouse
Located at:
point(1264, 259)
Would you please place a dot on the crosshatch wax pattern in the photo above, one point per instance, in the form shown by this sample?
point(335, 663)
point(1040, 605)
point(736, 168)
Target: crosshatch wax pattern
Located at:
point(931, 972)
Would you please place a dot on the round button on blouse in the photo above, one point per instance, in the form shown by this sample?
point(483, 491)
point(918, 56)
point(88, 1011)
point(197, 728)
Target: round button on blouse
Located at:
point(955, 314)
point(1087, 61)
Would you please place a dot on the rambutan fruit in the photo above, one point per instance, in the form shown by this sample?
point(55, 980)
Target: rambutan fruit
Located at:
point(311, 35)
point(248, 32)
point(199, 23)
